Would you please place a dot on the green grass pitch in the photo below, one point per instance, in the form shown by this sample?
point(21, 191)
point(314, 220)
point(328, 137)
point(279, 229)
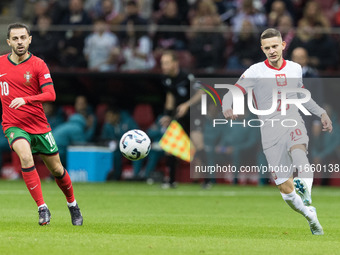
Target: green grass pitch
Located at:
point(134, 218)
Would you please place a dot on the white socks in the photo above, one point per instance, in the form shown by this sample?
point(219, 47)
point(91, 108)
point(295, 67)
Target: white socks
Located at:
point(300, 160)
point(295, 202)
point(72, 204)
point(43, 205)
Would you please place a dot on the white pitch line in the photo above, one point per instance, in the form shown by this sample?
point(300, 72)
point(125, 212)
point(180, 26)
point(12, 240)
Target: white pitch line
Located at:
point(19, 192)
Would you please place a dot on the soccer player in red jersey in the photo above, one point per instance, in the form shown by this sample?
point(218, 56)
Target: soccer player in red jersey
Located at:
point(26, 83)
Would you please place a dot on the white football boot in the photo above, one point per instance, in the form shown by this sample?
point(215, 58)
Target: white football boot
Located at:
point(314, 223)
point(302, 190)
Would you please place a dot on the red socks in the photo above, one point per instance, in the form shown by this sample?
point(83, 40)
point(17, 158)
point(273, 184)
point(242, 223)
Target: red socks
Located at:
point(65, 184)
point(32, 180)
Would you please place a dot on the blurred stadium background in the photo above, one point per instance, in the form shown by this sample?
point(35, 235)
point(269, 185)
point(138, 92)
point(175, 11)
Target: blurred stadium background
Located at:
point(212, 39)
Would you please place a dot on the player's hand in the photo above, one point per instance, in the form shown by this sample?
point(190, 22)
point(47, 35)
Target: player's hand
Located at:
point(182, 109)
point(165, 121)
point(228, 114)
point(17, 102)
point(326, 123)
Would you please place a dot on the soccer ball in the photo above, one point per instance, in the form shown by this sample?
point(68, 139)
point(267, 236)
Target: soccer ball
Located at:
point(135, 144)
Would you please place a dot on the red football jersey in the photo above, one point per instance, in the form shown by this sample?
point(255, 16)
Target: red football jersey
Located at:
point(25, 79)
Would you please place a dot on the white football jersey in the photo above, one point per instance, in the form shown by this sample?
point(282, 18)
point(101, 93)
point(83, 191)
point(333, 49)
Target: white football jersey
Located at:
point(264, 80)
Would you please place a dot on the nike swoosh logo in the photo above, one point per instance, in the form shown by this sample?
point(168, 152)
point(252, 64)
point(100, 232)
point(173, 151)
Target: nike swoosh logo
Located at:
point(297, 139)
point(34, 187)
point(2, 74)
point(52, 149)
point(69, 187)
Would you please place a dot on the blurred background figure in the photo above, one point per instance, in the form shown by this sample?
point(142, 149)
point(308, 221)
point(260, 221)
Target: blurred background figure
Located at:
point(325, 145)
point(72, 43)
point(158, 6)
point(41, 8)
point(248, 11)
point(144, 169)
point(174, 40)
point(72, 132)
point(45, 42)
point(286, 27)
point(277, 10)
point(101, 48)
point(111, 11)
point(318, 48)
point(313, 14)
point(82, 107)
point(312, 82)
point(237, 141)
point(116, 123)
point(136, 45)
point(207, 47)
point(4, 149)
point(245, 51)
point(176, 85)
point(131, 13)
point(55, 115)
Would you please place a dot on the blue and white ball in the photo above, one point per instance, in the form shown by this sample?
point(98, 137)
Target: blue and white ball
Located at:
point(135, 144)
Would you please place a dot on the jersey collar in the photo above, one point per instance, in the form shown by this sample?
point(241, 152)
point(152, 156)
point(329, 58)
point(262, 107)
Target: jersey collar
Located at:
point(284, 63)
point(9, 59)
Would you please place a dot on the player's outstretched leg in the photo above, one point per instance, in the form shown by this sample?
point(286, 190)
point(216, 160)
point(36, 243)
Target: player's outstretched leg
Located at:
point(295, 202)
point(32, 181)
point(309, 212)
point(302, 190)
point(303, 184)
point(65, 184)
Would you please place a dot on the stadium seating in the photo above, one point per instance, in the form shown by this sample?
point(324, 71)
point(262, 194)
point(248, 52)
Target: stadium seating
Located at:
point(143, 115)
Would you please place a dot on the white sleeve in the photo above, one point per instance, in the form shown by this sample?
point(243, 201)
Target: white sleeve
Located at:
point(227, 101)
point(312, 106)
point(247, 80)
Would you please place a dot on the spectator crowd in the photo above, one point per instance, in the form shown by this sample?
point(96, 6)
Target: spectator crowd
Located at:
point(111, 35)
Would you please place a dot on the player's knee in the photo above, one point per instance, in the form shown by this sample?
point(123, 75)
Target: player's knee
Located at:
point(286, 187)
point(26, 160)
point(57, 170)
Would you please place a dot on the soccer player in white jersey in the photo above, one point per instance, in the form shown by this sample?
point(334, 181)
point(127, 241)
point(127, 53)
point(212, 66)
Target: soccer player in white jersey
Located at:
point(283, 145)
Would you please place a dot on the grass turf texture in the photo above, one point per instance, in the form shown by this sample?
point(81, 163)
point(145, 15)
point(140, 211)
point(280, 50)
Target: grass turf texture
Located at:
point(133, 218)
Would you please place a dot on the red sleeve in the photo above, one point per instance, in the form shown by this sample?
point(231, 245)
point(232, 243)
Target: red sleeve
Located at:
point(241, 88)
point(47, 94)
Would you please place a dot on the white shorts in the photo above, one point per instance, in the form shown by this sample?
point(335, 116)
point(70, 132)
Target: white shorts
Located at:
point(280, 163)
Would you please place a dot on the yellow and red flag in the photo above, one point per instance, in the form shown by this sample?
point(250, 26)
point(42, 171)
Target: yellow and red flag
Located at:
point(176, 142)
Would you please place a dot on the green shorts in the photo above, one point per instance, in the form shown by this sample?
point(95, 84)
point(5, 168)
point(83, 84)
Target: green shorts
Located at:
point(40, 143)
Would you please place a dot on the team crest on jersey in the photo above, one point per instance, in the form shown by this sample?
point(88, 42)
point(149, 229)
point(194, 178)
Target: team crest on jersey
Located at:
point(11, 135)
point(281, 80)
point(241, 78)
point(27, 77)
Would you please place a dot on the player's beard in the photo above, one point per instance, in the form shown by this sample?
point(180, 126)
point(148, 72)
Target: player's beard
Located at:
point(21, 52)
